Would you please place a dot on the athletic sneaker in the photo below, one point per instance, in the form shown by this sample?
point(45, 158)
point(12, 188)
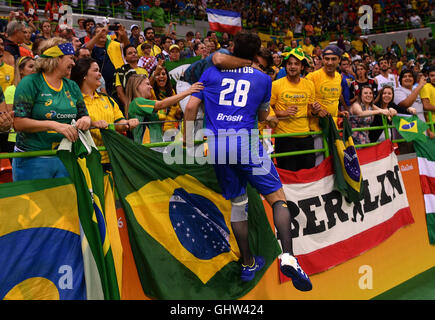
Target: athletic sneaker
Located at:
point(248, 272)
point(291, 268)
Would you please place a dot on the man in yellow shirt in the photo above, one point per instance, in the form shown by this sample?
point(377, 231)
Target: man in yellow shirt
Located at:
point(123, 73)
point(291, 100)
point(357, 44)
point(427, 95)
point(307, 46)
point(149, 38)
point(288, 36)
point(327, 84)
point(6, 75)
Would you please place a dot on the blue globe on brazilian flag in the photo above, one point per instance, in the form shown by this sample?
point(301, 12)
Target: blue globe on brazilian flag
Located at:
point(179, 225)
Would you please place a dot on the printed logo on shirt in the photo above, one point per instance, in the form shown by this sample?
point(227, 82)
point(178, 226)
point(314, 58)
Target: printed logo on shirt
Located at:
point(330, 92)
point(68, 95)
point(223, 117)
point(48, 102)
point(294, 98)
point(54, 115)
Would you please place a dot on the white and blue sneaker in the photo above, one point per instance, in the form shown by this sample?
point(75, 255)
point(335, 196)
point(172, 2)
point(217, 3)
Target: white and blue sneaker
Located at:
point(291, 268)
point(248, 272)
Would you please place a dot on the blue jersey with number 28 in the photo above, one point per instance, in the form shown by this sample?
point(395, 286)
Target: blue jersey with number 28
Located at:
point(233, 97)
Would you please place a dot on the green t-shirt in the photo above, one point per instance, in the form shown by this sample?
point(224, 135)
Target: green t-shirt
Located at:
point(36, 99)
point(158, 15)
point(143, 110)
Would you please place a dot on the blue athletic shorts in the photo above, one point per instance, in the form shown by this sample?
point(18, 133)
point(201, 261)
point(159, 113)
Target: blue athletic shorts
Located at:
point(260, 173)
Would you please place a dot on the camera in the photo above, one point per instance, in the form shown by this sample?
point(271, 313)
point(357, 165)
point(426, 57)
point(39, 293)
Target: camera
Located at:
point(113, 27)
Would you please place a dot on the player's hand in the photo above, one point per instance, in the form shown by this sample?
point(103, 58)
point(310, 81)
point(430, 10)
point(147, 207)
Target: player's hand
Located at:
point(196, 87)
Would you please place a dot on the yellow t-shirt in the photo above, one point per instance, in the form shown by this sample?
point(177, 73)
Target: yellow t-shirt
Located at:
point(328, 92)
point(308, 49)
point(6, 76)
point(139, 70)
point(357, 44)
point(101, 108)
point(399, 66)
point(285, 94)
point(378, 8)
point(428, 91)
point(155, 50)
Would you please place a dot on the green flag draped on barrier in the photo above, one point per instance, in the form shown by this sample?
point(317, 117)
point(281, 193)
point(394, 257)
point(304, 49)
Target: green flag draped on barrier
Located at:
point(179, 225)
point(82, 160)
point(347, 169)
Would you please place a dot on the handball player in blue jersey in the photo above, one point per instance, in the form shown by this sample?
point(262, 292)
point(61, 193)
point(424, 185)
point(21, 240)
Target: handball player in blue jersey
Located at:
point(235, 101)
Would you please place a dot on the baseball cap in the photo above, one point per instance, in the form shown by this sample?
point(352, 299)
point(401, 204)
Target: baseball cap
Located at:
point(332, 50)
point(174, 46)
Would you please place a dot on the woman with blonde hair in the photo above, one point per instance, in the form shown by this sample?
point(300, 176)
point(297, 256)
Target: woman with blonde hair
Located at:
point(140, 106)
point(45, 104)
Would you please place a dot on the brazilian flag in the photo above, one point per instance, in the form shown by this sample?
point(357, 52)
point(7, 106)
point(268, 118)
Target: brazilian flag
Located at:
point(411, 128)
point(179, 225)
point(347, 169)
point(83, 162)
point(40, 247)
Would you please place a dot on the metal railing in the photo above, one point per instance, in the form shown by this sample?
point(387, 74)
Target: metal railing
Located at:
point(385, 127)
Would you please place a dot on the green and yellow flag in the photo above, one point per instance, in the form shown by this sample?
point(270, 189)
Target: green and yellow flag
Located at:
point(179, 225)
point(83, 162)
point(347, 169)
point(411, 128)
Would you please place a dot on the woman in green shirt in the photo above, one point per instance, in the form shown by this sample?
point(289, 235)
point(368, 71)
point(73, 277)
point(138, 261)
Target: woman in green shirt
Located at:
point(140, 106)
point(45, 104)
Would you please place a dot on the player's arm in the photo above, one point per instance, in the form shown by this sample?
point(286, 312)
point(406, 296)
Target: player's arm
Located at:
point(263, 111)
point(226, 61)
point(190, 114)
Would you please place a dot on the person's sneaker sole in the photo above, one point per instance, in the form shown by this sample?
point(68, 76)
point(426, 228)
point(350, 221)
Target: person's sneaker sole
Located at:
point(291, 273)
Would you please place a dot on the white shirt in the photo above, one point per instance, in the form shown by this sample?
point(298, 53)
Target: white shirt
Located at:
point(402, 93)
point(382, 81)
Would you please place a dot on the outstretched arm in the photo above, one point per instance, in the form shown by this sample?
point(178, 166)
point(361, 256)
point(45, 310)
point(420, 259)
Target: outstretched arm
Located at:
point(190, 114)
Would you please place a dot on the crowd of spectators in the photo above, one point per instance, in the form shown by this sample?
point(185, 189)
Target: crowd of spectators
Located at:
point(127, 69)
point(302, 17)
